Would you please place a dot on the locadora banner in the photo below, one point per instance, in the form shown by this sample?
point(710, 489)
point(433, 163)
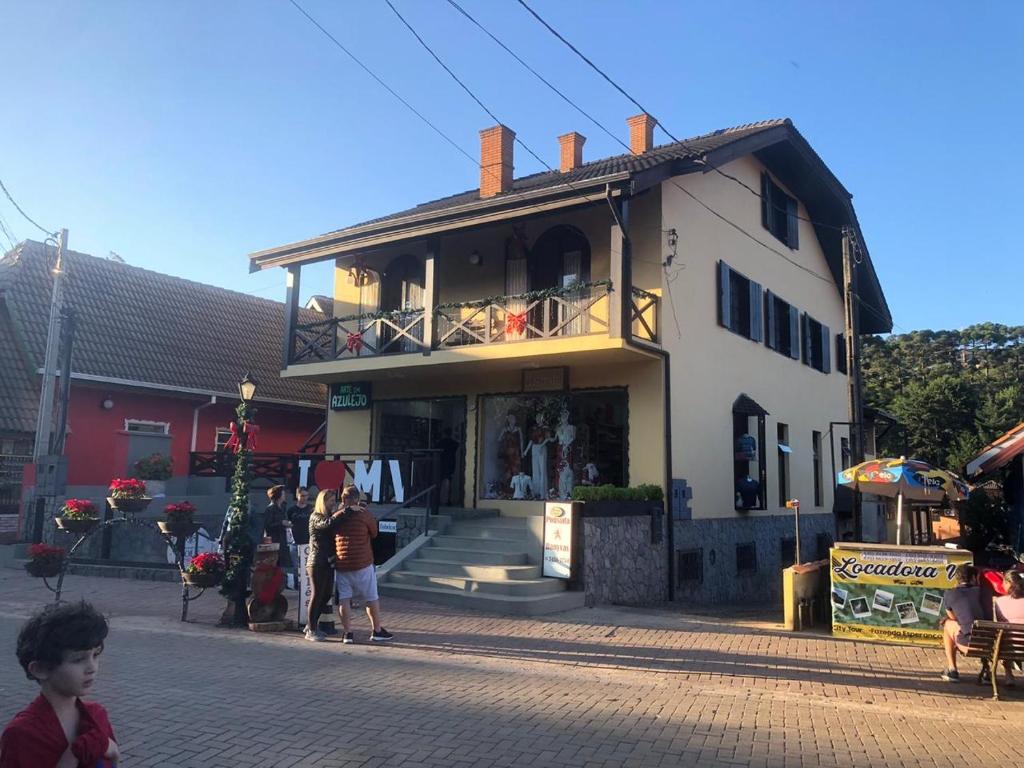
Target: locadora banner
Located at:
point(895, 594)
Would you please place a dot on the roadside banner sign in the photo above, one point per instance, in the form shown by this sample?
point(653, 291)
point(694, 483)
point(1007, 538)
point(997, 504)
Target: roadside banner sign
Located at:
point(892, 593)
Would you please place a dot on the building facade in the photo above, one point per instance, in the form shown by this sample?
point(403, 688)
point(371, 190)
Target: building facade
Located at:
point(670, 317)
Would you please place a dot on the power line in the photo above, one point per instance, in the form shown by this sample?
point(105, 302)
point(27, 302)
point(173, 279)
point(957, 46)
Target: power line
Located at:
point(8, 234)
point(17, 207)
point(594, 66)
point(537, 74)
point(668, 133)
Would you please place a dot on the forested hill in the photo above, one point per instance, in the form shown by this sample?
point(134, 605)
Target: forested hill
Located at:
point(954, 391)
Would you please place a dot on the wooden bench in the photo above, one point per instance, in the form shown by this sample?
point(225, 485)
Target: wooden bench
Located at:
point(993, 642)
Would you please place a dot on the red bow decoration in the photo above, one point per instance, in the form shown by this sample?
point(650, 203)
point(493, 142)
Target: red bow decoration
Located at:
point(252, 432)
point(354, 342)
point(233, 443)
point(515, 323)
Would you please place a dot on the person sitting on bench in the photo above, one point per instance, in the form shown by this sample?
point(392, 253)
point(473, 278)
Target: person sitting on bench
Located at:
point(963, 608)
point(1010, 608)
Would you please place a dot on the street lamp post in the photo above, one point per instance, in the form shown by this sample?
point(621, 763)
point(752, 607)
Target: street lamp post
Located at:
point(237, 538)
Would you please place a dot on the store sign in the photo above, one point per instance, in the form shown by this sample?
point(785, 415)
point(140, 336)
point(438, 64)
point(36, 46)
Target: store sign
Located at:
point(545, 379)
point(558, 551)
point(354, 396)
point(388, 526)
point(892, 593)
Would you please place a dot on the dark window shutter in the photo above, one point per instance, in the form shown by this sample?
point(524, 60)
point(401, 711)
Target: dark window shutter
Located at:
point(792, 224)
point(794, 333)
point(826, 349)
point(769, 320)
point(766, 201)
point(841, 352)
point(756, 317)
point(805, 337)
point(724, 296)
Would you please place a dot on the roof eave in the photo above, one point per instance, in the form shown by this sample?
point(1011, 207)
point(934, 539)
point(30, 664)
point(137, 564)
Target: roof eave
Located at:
point(497, 208)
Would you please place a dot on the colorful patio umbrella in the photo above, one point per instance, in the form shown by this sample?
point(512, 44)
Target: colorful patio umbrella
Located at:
point(904, 478)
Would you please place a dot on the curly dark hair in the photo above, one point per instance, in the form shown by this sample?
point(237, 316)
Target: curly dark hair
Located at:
point(57, 630)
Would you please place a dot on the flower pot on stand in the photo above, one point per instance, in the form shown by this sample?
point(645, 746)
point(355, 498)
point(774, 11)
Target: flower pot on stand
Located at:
point(179, 529)
point(44, 570)
point(129, 506)
point(202, 580)
point(77, 526)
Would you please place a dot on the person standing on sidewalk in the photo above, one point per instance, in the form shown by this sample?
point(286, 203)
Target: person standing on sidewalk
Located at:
point(275, 525)
point(298, 515)
point(323, 524)
point(356, 575)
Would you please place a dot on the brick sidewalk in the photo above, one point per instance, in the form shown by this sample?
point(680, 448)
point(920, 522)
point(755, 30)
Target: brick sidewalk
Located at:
point(603, 687)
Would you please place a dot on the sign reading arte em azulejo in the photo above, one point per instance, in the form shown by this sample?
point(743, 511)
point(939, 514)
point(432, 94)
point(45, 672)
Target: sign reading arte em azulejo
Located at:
point(883, 592)
point(353, 396)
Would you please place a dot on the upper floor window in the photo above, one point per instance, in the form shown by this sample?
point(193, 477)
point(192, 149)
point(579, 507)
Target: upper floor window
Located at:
point(739, 303)
point(779, 212)
point(841, 352)
point(147, 427)
point(782, 326)
point(817, 345)
point(220, 441)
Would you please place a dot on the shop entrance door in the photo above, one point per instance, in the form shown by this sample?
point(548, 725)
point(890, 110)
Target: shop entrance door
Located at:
point(413, 425)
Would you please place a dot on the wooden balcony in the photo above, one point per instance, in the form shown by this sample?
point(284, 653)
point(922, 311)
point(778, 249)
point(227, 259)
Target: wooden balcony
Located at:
point(590, 309)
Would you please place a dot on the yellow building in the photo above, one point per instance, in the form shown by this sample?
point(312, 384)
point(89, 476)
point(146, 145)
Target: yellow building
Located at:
point(669, 316)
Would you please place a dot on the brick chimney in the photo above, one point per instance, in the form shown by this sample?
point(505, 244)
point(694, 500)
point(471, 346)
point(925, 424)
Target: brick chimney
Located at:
point(641, 133)
point(496, 160)
point(571, 151)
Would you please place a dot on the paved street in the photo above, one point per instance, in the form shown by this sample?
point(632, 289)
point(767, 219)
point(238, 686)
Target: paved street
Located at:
point(615, 687)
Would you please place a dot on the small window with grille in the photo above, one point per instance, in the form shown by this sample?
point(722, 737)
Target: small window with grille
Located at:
point(746, 558)
point(690, 566)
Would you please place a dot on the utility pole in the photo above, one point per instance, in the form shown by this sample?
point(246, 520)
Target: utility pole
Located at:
point(855, 402)
point(44, 422)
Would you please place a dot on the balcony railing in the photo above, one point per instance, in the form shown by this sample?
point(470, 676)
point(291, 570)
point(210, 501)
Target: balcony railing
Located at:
point(11, 467)
point(580, 310)
point(540, 315)
point(339, 338)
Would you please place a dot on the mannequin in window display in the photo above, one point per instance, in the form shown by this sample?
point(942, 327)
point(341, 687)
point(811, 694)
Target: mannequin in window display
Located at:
point(520, 486)
point(590, 474)
point(540, 436)
point(566, 435)
point(748, 492)
point(510, 449)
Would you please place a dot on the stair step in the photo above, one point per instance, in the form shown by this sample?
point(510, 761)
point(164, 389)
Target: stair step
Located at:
point(473, 557)
point(478, 542)
point(467, 570)
point(519, 606)
point(516, 588)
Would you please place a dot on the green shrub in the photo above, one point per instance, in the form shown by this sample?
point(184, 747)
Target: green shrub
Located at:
point(153, 467)
point(594, 493)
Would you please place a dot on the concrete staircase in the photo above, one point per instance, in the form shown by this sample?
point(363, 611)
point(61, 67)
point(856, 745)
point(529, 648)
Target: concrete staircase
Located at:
point(481, 563)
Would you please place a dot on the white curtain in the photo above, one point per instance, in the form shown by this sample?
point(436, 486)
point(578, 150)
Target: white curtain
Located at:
point(516, 282)
point(572, 273)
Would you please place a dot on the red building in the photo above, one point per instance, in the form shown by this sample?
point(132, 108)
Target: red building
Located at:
point(155, 364)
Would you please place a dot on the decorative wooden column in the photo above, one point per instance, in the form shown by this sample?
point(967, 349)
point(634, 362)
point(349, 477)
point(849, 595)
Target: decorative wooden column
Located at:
point(291, 311)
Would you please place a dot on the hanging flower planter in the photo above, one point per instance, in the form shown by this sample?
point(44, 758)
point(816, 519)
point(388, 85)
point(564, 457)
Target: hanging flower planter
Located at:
point(46, 561)
point(205, 570)
point(78, 516)
point(128, 496)
point(179, 520)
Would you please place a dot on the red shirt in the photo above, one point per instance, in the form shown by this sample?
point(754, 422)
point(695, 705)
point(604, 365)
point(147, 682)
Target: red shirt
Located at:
point(35, 738)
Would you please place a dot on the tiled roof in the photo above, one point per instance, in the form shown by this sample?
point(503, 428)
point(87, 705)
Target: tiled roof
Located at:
point(144, 326)
point(625, 163)
point(19, 390)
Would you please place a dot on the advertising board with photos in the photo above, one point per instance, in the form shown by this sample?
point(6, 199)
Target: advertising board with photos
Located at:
point(890, 593)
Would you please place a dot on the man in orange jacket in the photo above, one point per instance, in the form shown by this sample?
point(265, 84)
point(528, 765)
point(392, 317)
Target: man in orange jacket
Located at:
point(356, 575)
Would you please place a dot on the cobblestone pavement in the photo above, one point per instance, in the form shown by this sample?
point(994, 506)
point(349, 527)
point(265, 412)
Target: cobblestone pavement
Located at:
point(590, 688)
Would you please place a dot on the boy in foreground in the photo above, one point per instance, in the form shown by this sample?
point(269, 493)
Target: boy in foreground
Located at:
point(59, 648)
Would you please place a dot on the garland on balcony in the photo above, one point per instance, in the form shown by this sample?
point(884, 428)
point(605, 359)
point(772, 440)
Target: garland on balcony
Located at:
point(529, 296)
point(384, 314)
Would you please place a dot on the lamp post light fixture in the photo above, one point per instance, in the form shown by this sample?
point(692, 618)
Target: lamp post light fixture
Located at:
point(247, 388)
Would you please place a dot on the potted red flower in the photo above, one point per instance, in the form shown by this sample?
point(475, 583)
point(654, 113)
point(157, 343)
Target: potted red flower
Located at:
point(78, 516)
point(206, 570)
point(128, 495)
point(179, 520)
point(45, 560)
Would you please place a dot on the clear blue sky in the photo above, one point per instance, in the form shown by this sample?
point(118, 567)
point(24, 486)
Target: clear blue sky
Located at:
point(183, 135)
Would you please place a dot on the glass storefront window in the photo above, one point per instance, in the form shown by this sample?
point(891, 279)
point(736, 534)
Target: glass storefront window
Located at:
point(541, 446)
